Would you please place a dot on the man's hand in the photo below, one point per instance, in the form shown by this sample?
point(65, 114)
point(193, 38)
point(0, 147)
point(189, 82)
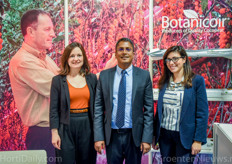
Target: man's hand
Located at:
point(109, 64)
point(56, 141)
point(99, 145)
point(112, 62)
point(196, 147)
point(145, 147)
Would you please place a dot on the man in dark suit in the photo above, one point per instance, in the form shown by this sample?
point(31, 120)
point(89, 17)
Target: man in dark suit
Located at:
point(123, 116)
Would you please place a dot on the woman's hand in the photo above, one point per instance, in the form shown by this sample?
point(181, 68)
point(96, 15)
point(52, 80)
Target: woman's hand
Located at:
point(156, 147)
point(196, 147)
point(56, 141)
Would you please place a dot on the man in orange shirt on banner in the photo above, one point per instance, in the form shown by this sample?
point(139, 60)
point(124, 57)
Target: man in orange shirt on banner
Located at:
point(31, 72)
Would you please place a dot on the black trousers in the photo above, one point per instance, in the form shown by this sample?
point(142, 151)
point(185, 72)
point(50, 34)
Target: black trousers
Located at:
point(77, 143)
point(39, 138)
point(171, 149)
point(122, 147)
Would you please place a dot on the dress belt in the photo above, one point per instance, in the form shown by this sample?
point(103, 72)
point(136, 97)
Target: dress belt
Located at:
point(124, 130)
point(82, 110)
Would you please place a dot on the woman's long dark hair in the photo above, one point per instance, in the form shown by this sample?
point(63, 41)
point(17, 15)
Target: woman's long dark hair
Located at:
point(166, 73)
point(65, 69)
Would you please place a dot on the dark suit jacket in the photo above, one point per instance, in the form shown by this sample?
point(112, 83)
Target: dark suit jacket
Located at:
point(142, 106)
point(60, 100)
point(194, 113)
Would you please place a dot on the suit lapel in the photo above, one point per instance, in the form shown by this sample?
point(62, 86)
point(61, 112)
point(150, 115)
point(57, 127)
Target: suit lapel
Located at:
point(186, 100)
point(134, 83)
point(111, 85)
point(87, 77)
point(88, 82)
point(91, 91)
point(65, 84)
point(160, 101)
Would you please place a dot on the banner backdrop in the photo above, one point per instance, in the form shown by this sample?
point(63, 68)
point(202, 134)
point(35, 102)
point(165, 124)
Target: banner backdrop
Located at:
point(195, 24)
point(198, 25)
point(12, 131)
point(98, 24)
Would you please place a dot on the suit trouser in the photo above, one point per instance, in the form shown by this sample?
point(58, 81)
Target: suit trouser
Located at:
point(39, 138)
point(122, 147)
point(77, 143)
point(171, 148)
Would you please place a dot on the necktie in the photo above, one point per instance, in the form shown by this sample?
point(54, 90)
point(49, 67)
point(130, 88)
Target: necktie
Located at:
point(121, 101)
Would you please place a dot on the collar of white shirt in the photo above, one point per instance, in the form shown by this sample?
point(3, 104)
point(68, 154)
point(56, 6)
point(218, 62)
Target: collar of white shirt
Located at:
point(128, 70)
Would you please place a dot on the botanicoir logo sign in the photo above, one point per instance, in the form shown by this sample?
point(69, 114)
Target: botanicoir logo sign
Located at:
point(193, 23)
